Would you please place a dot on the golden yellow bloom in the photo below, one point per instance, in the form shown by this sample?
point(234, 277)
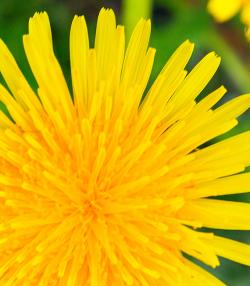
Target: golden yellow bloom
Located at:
point(106, 190)
point(223, 10)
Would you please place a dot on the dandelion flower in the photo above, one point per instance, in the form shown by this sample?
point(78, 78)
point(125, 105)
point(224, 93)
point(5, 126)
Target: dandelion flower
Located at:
point(224, 10)
point(110, 186)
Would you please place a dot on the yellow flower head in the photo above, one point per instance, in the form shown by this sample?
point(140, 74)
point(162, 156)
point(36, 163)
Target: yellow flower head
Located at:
point(223, 10)
point(104, 188)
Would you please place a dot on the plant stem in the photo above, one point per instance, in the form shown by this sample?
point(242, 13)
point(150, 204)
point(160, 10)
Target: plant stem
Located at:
point(133, 11)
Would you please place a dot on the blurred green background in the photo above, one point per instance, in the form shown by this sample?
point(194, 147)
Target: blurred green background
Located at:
point(173, 21)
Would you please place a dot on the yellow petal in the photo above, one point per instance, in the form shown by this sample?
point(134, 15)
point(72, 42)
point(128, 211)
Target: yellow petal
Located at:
point(16, 80)
point(231, 249)
point(79, 50)
point(194, 83)
point(224, 158)
point(192, 244)
point(197, 276)
point(19, 115)
point(109, 45)
point(245, 14)
point(224, 11)
point(224, 186)
point(221, 120)
point(138, 63)
point(45, 67)
point(218, 214)
point(170, 78)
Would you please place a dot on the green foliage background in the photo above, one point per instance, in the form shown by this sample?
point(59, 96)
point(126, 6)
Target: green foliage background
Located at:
point(172, 23)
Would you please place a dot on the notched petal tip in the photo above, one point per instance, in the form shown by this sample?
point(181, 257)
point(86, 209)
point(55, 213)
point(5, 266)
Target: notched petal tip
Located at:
point(214, 55)
point(38, 16)
point(187, 42)
point(187, 47)
point(213, 60)
point(78, 23)
point(37, 23)
point(106, 13)
point(222, 89)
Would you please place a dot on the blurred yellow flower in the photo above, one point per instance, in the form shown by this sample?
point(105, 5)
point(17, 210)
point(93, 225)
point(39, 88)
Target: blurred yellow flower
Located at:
point(104, 189)
point(224, 10)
